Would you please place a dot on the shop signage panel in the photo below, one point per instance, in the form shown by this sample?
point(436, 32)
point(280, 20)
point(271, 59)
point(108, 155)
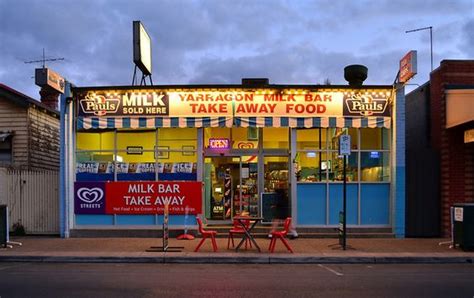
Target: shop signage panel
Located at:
point(150, 197)
point(345, 145)
point(268, 103)
point(89, 197)
point(219, 143)
point(130, 197)
point(469, 136)
point(363, 105)
point(47, 77)
point(408, 66)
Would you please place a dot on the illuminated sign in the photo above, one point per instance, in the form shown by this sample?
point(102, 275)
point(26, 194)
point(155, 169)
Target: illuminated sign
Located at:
point(47, 77)
point(469, 136)
point(408, 66)
point(219, 143)
point(106, 104)
point(374, 154)
point(141, 48)
point(228, 103)
point(365, 105)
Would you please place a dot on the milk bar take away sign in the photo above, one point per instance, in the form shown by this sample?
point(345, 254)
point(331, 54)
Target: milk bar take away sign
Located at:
point(129, 197)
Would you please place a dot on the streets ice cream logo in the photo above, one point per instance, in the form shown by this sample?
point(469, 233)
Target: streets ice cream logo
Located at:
point(98, 105)
point(365, 105)
point(91, 198)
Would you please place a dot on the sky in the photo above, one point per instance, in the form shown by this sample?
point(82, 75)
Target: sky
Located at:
point(223, 41)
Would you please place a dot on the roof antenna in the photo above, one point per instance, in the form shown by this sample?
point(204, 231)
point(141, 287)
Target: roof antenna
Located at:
point(43, 61)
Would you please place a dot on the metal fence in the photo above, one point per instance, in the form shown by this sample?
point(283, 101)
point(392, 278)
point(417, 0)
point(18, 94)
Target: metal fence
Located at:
point(32, 198)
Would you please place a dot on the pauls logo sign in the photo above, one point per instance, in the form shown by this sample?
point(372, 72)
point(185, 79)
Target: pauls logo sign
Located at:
point(130, 103)
point(98, 105)
point(366, 105)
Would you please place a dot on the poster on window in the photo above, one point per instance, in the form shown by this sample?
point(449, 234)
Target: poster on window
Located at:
point(94, 167)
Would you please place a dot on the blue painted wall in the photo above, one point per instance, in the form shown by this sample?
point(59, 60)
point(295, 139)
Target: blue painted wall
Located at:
point(108, 220)
point(375, 204)
point(374, 200)
point(311, 204)
point(335, 203)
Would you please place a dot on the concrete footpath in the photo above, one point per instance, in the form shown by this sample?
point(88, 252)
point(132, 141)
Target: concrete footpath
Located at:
point(133, 250)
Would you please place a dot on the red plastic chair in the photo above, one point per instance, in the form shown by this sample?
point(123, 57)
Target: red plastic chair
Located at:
point(206, 234)
point(281, 235)
point(238, 229)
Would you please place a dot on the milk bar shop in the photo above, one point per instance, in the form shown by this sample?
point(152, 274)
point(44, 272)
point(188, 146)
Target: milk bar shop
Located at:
point(223, 150)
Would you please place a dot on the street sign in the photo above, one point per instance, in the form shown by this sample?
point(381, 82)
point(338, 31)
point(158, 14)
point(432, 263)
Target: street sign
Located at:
point(345, 145)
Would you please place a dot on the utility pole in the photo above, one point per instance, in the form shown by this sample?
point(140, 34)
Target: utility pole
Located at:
point(431, 40)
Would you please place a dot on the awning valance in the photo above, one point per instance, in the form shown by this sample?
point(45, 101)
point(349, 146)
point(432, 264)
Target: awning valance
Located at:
point(293, 122)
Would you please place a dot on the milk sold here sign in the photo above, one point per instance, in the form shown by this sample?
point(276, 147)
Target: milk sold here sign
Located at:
point(137, 197)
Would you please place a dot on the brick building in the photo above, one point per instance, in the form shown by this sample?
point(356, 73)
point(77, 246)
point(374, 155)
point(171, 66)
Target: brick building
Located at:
point(440, 154)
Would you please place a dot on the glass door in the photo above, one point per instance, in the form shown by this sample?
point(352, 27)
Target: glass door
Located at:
point(222, 174)
point(276, 195)
point(246, 203)
point(231, 186)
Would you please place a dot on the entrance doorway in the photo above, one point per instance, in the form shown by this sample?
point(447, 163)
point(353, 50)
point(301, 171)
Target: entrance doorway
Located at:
point(275, 198)
point(231, 186)
point(247, 185)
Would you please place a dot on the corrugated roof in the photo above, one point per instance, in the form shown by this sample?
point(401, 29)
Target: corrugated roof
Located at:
point(23, 100)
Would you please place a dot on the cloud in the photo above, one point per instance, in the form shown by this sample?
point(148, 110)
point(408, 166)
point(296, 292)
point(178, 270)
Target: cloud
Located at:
point(295, 65)
point(467, 46)
point(217, 41)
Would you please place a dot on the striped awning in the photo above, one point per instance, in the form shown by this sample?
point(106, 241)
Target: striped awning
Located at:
point(294, 122)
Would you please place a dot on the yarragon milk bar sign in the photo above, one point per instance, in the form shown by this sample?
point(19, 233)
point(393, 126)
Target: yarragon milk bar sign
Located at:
point(270, 103)
point(137, 197)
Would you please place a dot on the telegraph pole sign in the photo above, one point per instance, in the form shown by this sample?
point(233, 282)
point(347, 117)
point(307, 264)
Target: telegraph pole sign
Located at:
point(345, 145)
point(345, 150)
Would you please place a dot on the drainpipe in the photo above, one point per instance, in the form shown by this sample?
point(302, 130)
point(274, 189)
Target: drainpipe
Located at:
point(64, 163)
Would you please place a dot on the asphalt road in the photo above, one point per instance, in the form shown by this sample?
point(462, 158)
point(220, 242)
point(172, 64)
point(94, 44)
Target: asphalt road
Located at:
point(175, 280)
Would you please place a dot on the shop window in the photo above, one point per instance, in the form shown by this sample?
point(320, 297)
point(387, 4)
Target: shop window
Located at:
point(95, 166)
point(6, 151)
point(336, 173)
point(177, 139)
point(216, 133)
point(244, 137)
point(374, 138)
point(136, 141)
point(335, 133)
point(275, 138)
point(177, 166)
point(375, 166)
point(95, 141)
point(311, 139)
point(312, 166)
point(239, 137)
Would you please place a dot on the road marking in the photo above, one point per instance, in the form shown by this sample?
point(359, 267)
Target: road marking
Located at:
point(331, 270)
point(12, 266)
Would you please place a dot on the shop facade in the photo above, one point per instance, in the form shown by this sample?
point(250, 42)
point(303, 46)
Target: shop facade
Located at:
point(225, 150)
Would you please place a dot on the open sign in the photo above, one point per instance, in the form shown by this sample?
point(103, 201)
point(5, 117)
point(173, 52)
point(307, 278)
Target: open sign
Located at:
point(219, 143)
